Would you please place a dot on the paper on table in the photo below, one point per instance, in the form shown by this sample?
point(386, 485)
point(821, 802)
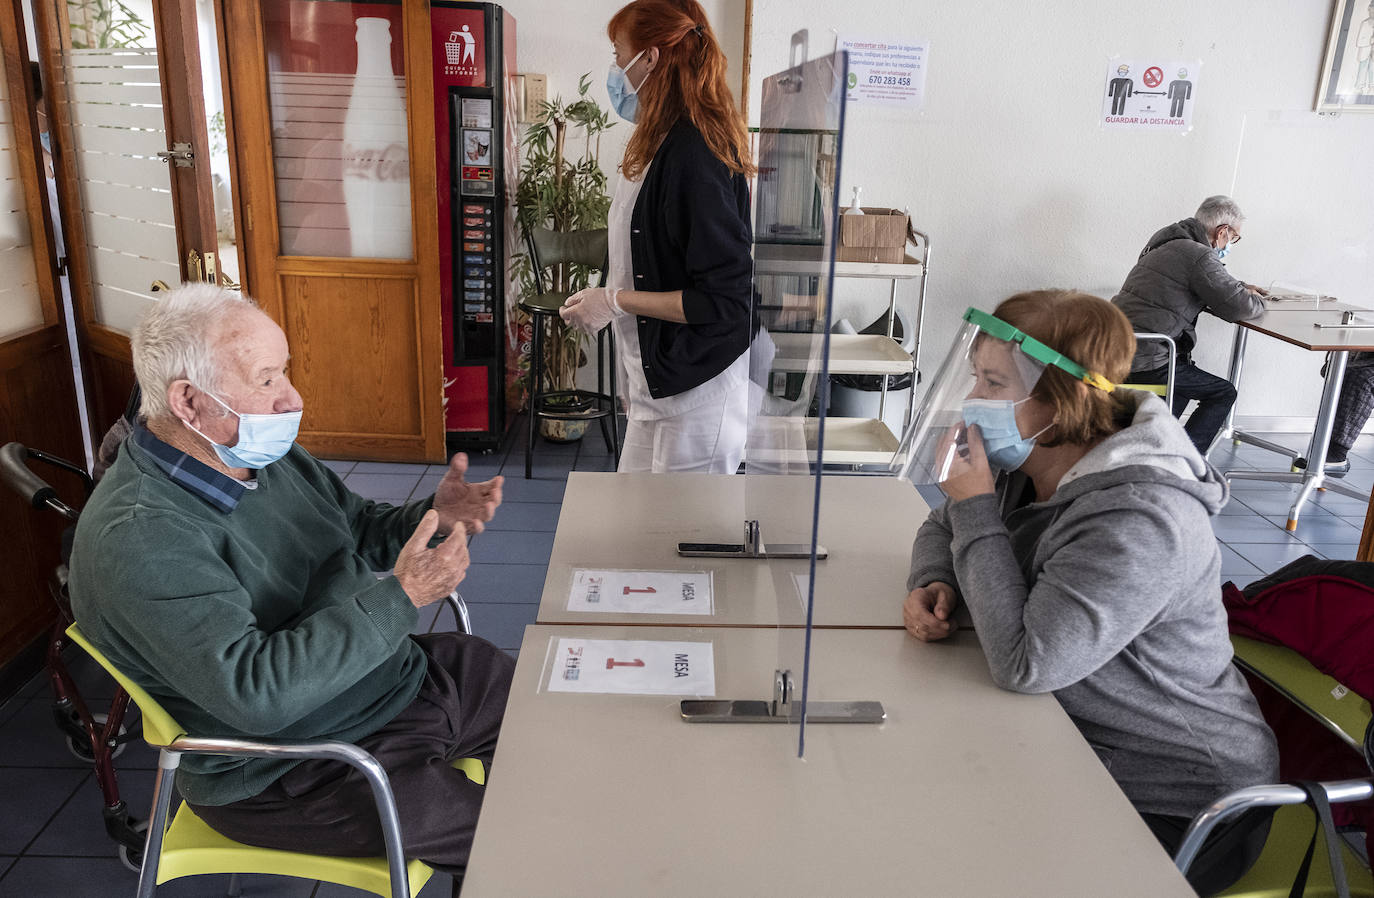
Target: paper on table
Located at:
point(642, 592)
point(627, 667)
point(1288, 293)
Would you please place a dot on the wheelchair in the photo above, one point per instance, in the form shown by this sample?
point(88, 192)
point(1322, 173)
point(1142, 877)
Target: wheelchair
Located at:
point(95, 737)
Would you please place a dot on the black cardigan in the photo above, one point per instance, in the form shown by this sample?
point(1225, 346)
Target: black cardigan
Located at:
point(690, 231)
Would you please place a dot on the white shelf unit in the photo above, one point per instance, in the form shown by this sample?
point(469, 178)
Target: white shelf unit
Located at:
point(848, 441)
point(849, 354)
point(856, 442)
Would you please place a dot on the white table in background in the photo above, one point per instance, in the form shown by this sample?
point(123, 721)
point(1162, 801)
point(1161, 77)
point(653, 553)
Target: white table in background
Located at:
point(1312, 329)
point(965, 789)
point(635, 522)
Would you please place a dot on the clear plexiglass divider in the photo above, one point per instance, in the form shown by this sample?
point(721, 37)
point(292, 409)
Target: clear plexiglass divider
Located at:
point(796, 204)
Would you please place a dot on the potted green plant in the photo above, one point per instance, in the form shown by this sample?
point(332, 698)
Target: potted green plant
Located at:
point(562, 187)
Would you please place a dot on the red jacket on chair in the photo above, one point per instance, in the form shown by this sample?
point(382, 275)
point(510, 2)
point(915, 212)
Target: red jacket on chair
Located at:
point(1324, 611)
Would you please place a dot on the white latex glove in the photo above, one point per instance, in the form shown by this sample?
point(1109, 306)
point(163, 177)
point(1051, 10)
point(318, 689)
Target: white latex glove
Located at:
point(591, 309)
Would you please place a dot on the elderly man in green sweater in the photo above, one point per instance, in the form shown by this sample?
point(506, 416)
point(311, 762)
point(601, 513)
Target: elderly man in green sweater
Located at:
point(233, 576)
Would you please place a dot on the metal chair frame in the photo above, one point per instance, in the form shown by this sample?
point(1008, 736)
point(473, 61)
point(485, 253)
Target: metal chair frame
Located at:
point(1276, 795)
point(1293, 677)
point(1172, 347)
point(172, 747)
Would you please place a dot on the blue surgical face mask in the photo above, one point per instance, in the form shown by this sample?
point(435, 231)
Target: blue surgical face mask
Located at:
point(262, 438)
point(1002, 440)
point(624, 96)
point(1223, 251)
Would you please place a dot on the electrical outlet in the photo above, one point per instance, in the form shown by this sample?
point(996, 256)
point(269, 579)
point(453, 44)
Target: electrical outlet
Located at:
point(536, 93)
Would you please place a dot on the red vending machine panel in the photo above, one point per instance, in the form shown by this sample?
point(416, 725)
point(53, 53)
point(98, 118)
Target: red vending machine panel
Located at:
point(475, 133)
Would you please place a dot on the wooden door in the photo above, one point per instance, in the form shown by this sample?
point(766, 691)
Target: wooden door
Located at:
point(132, 173)
point(331, 105)
point(37, 390)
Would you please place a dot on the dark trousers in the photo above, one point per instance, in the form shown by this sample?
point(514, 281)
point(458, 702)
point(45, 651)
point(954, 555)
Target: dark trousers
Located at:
point(1214, 395)
point(1228, 853)
point(326, 807)
point(1354, 405)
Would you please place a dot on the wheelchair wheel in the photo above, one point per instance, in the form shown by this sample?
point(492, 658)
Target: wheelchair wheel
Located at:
point(79, 744)
point(132, 858)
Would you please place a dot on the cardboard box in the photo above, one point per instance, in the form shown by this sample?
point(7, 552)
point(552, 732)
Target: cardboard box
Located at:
point(879, 235)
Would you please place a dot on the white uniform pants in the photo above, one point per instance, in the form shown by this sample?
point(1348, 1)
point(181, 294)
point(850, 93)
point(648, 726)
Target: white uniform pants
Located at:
point(708, 439)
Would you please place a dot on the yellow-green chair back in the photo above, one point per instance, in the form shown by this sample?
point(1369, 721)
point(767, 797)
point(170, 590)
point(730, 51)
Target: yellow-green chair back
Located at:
point(1347, 715)
point(1343, 712)
point(191, 848)
point(1273, 874)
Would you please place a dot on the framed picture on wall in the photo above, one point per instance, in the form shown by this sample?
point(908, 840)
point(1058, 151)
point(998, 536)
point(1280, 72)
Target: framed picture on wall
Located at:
point(1347, 78)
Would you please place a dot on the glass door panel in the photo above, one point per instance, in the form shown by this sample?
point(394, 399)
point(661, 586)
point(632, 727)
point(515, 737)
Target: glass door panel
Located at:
point(116, 129)
point(21, 308)
point(337, 98)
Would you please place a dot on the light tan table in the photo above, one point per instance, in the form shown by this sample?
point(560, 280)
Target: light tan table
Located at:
point(965, 790)
point(1316, 330)
point(635, 521)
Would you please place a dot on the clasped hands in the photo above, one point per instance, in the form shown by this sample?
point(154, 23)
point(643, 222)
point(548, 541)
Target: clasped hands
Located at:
point(428, 574)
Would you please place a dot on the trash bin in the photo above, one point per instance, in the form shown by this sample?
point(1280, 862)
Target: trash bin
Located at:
point(858, 395)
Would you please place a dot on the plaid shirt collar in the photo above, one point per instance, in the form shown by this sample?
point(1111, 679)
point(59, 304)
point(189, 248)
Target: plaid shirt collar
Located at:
point(197, 478)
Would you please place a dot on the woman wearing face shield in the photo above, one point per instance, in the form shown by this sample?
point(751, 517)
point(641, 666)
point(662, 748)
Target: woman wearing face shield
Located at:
point(678, 286)
point(1076, 531)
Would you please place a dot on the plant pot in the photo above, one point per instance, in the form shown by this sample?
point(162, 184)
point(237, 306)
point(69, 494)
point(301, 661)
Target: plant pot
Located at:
point(560, 430)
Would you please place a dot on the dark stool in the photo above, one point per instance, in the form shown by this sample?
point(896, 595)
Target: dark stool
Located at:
point(548, 248)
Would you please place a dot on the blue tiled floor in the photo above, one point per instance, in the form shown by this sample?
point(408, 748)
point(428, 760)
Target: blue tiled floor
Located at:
point(52, 842)
point(1251, 527)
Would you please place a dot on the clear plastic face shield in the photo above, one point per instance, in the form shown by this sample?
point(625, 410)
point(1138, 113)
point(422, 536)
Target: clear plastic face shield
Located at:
point(990, 372)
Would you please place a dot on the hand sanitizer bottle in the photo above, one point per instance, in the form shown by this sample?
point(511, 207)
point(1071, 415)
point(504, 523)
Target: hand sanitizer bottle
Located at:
point(854, 208)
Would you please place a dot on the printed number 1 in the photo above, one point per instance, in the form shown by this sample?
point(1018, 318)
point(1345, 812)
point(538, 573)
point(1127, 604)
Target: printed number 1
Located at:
point(611, 663)
point(630, 589)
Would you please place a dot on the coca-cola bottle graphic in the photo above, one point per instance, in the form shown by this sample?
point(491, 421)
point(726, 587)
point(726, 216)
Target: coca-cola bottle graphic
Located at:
point(376, 162)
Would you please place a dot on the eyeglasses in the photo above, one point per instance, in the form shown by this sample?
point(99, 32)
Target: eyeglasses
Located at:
point(1235, 235)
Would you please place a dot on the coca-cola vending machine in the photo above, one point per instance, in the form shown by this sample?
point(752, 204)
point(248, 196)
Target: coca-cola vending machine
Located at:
point(476, 140)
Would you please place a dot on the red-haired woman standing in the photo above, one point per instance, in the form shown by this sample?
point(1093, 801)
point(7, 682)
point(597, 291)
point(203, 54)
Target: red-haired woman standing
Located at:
point(678, 286)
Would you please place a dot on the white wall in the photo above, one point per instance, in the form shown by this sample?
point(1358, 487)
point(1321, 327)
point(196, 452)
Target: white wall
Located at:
point(1019, 187)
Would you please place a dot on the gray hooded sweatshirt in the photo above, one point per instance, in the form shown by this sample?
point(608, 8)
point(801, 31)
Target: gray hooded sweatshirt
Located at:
point(1109, 595)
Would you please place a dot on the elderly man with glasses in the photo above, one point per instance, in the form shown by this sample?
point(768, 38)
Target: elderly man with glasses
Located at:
point(1178, 276)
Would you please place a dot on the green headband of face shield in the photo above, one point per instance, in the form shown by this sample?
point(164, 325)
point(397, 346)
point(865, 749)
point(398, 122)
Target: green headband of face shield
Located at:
point(1032, 347)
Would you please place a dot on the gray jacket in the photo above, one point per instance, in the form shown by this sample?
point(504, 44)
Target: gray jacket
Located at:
point(1178, 277)
point(1109, 596)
